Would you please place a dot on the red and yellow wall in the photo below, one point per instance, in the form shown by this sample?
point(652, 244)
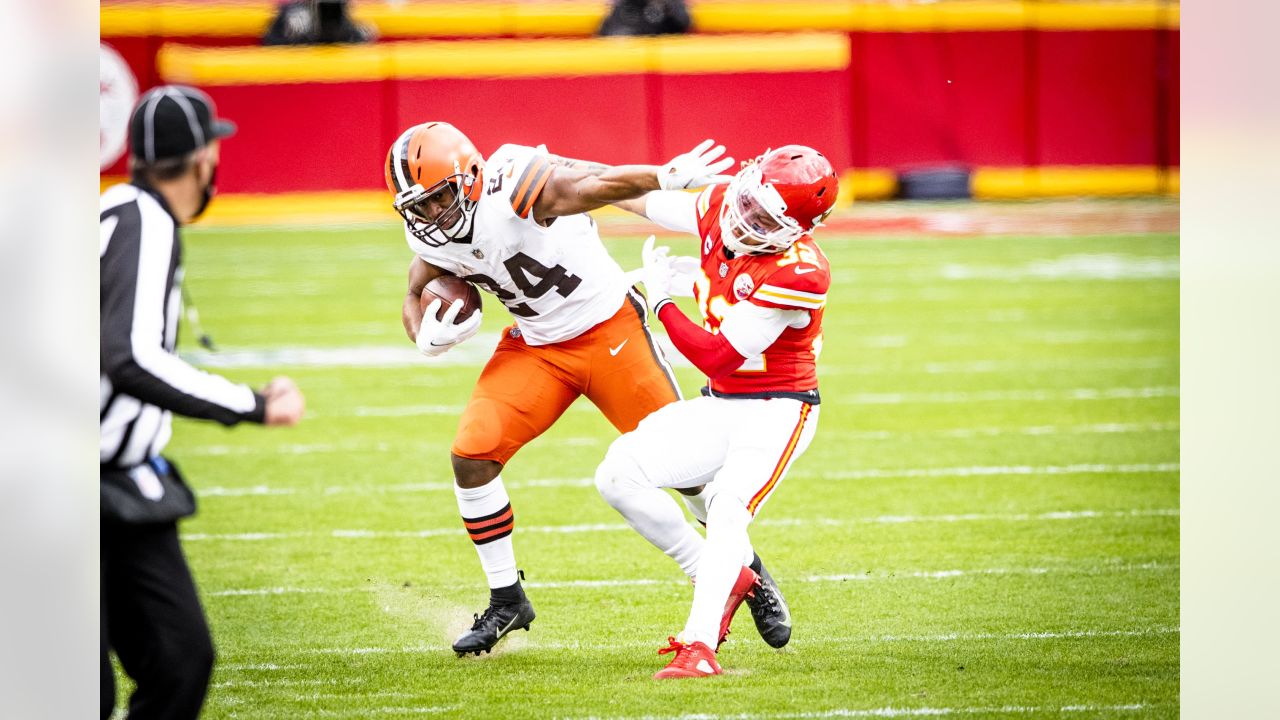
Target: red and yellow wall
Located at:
point(1038, 98)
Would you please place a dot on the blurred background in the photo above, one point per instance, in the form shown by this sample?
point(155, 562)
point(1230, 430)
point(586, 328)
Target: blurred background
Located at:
point(982, 98)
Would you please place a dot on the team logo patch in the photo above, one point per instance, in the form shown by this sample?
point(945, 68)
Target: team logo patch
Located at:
point(479, 255)
point(706, 246)
point(743, 286)
point(724, 269)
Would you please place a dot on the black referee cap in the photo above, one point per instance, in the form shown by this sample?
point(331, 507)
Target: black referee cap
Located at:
point(173, 120)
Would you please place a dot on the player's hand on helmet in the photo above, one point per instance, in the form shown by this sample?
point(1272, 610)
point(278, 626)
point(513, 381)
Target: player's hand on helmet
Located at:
point(696, 168)
point(657, 272)
point(435, 337)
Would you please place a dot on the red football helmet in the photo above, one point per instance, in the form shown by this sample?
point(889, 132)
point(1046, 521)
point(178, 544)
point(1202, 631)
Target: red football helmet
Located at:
point(775, 200)
point(435, 173)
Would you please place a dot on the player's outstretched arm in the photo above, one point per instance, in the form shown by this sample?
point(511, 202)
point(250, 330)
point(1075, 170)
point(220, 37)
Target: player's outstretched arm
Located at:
point(420, 273)
point(570, 190)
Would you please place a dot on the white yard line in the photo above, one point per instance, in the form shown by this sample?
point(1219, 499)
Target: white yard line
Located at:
point(869, 473)
point(1032, 430)
point(768, 522)
point(888, 712)
point(382, 446)
point(429, 648)
point(1013, 395)
point(997, 470)
point(840, 578)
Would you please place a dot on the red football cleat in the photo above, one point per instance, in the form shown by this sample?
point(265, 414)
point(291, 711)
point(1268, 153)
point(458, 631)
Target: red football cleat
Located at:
point(743, 588)
point(691, 660)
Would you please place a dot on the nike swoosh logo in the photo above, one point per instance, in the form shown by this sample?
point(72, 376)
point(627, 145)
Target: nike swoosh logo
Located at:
point(705, 667)
point(615, 351)
point(507, 629)
point(802, 271)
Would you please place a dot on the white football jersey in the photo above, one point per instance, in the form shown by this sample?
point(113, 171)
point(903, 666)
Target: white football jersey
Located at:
point(557, 281)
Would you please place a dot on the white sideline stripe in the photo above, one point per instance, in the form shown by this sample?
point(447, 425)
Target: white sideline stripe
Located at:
point(286, 682)
point(635, 582)
point(350, 447)
point(1024, 395)
point(408, 410)
point(1094, 429)
point(886, 712)
point(878, 473)
point(827, 640)
point(780, 522)
point(480, 347)
point(979, 471)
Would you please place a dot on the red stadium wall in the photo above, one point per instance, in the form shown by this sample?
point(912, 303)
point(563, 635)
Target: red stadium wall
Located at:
point(1020, 98)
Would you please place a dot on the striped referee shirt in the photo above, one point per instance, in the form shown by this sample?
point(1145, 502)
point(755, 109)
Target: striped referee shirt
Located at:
point(143, 380)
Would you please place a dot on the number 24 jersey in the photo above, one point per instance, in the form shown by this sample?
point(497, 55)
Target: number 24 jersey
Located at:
point(557, 281)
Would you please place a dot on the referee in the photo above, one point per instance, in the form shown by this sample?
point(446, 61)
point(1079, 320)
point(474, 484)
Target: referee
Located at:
point(151, 615)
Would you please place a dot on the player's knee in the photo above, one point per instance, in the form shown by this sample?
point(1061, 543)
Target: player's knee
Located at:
point(617, 474)
point(726, 510)
point(480, 432)
point(472, 473)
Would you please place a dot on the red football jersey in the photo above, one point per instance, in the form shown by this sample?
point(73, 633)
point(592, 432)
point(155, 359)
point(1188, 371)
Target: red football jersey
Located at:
point(795, 280)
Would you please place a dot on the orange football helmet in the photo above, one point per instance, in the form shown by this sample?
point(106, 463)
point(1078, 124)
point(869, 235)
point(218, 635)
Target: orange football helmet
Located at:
point(434, 172)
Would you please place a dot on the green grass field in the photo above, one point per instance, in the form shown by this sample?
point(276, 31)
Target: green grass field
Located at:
point(986, 524)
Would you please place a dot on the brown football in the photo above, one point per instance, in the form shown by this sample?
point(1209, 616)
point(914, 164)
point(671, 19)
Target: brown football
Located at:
point(449, 288)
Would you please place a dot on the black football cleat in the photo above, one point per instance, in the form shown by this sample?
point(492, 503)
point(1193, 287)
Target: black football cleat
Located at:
point(769, 610)
point(492, 625)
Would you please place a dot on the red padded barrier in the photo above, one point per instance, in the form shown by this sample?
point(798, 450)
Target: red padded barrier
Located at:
point(600, 118)
point(751, 112)
point(302, 137)
point(911, 114)
point(1097, 98)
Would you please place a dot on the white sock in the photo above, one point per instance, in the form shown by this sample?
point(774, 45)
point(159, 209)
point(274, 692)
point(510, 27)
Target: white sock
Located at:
point(650, 511)
point(718, 568)
point(486, 514)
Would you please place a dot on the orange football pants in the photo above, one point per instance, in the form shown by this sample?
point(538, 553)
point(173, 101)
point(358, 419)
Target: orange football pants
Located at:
point(524, 389)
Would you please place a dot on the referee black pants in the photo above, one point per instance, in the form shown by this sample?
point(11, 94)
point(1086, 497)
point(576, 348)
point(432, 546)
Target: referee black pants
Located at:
point(152, 619)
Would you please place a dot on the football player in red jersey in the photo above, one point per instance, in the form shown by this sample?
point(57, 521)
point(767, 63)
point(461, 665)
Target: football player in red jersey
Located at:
point(761, 285)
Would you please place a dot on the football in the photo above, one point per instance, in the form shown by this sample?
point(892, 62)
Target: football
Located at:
point(449, 288)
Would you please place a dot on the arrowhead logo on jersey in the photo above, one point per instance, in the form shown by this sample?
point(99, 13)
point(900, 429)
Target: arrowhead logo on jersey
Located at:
point(743, 286)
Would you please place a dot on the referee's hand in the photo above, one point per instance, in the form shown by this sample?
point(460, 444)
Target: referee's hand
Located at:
point(285, 403)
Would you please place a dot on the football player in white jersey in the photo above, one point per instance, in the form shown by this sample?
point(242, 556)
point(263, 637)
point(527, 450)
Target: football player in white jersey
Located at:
point(514, 224)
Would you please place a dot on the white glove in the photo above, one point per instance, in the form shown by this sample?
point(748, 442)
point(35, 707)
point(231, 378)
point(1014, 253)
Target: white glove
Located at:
point(436, 336)
point(657, 272)
point(684, 273)
point(695, 168)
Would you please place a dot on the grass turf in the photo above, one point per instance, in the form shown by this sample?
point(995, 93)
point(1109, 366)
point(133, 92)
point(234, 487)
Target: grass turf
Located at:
point(985, 525)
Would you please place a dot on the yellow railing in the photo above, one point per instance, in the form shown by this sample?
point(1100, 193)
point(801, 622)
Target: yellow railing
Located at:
point(488, 18)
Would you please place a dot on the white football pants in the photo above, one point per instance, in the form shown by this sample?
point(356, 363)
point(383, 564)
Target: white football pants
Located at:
point(741, 449)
